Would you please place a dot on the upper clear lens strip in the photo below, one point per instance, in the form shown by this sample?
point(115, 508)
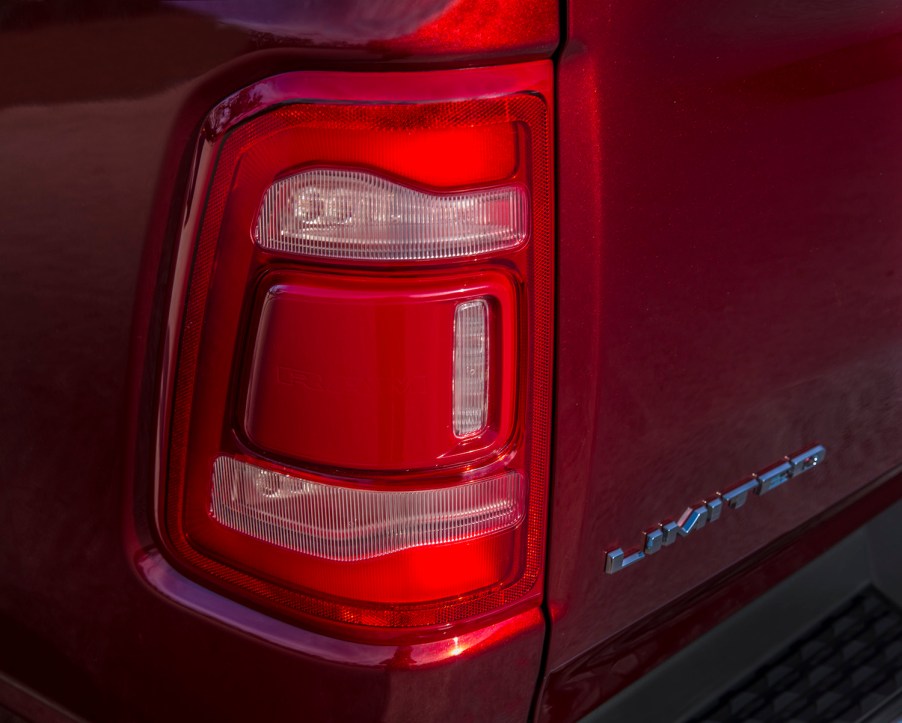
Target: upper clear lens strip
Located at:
point(347, 524)
point(345, 214)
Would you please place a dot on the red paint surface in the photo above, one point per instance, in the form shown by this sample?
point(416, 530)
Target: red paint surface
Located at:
point(591, 678)
point(114, 48)
point(100, 115)
point(730, 175)
point(730, 244)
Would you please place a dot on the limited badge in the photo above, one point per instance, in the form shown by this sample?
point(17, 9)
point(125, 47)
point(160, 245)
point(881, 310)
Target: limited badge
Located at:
point(699, 514)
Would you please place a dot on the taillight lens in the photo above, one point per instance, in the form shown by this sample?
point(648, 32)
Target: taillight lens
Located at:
point(346, 214)
point(333, 522)
point(357, 427)
point(471, 367)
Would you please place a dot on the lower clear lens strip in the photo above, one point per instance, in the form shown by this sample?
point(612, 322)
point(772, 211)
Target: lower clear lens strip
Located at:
point(347, 524)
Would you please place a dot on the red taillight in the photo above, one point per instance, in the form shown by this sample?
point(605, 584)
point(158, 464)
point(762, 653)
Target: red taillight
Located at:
point(357, 427)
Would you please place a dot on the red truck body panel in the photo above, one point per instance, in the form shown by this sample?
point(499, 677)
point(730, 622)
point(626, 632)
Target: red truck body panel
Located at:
point(100, 120)
point(728, 292)
point(729, 260)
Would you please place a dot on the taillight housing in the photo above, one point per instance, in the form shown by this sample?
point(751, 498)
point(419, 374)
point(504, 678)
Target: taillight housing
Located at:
point(354, 425)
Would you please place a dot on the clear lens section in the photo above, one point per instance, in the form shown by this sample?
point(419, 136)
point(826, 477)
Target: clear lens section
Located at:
point(471, 366)
point(346, 214)
point(339, 523)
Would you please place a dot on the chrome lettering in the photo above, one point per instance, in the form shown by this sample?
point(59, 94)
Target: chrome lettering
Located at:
point(696, 516)
point(774, 476)
point(715, 508)
point(653, 540)
point(693, 519)
point(618, 559)
point(738, 495)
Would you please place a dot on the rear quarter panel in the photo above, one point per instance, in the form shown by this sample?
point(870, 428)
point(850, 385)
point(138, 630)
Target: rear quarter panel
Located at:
point(100, 105)
point(730, 247)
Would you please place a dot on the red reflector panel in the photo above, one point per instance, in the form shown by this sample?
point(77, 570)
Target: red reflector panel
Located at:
point(358, 372)
point(356, 434)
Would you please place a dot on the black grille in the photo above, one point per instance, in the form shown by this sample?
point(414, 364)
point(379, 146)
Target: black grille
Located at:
point(845, 666)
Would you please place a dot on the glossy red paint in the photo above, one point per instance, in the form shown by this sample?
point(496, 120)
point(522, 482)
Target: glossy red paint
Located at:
point(728, 256)
point(730, 173)
point(107, 49)
point(587, 681)
point(100, 114)
point(439, 29)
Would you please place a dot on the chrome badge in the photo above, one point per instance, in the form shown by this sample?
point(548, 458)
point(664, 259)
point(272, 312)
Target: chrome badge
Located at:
point(696, 516)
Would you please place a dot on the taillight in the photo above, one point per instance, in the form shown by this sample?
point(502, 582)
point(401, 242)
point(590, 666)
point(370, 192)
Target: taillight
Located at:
point(357, 425)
